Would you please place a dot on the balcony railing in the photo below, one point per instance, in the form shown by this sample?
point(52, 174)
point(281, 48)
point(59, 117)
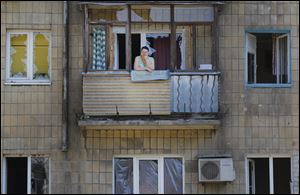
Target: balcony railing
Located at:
point(195, 92)
point(113, 93)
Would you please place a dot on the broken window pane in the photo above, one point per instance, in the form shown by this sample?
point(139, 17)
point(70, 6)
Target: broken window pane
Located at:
point(18, 56)
point(41, 56)
point(39, 175)
point(123, 176)
point(149, 13)
point(99, 48)
point(108, 14)
point(148, 177)
point(173, 176)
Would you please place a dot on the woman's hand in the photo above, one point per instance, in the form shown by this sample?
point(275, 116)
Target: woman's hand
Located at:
point(148, 69)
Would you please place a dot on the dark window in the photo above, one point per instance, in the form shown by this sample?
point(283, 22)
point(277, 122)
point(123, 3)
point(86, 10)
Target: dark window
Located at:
point(135, 49)
point(267, 58)
point(282, 175)
point(16, 175)
point(260, 176)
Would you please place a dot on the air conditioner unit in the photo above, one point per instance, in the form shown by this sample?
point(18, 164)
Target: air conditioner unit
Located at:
point(216, 169)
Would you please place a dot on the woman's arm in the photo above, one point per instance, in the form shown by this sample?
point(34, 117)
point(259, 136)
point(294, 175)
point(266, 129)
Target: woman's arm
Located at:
point(136, 64)
point(151, 63)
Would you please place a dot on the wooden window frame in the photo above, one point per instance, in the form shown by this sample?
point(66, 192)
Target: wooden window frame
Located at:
point(172, 23)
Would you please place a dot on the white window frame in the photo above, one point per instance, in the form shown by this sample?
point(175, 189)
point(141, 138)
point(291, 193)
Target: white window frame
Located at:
point(136, 159)
point(29, 66)
point(4, 173)
point(289, 65)
point(271, 178)
point(121, 30)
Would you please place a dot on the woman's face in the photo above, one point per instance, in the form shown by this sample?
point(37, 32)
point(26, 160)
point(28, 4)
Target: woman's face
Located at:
point(144, 52)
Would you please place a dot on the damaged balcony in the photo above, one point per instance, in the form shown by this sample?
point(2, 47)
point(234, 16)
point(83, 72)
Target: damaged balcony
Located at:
point(182, 38)
point(186, 98)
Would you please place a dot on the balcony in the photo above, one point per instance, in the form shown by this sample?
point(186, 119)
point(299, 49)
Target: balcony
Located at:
point(111, 93)
point(187, 100)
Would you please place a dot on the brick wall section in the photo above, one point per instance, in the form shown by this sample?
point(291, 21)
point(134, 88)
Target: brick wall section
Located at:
point(257, 120)
point(31, 116)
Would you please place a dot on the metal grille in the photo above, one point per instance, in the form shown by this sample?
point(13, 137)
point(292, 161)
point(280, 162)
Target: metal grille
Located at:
point(210, 170)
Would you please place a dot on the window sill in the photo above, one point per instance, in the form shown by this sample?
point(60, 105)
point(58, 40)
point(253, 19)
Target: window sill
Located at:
point(27, 82)
point(265, 85)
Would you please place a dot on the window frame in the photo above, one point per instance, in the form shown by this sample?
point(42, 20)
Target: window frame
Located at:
point(172, 23)
point(136, 159)
point(289, 49)
point(29, 66)
point(143, 33)
point(271, 177)
point(4, 172)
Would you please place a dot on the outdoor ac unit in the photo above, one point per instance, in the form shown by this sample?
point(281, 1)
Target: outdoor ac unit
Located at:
point(216, 169)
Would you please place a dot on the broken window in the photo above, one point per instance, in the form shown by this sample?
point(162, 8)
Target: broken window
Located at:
point(150, 25)
point(39, 175)
point(41, 56)
point(150, 13)
point(18, 55)
point(29, 57)
point(23, 179)
point(269, 175)
point(108, 14)
point(148, 174)
point(267, 58)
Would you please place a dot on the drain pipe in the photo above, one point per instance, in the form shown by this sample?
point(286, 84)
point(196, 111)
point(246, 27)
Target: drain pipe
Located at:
point(65, 105)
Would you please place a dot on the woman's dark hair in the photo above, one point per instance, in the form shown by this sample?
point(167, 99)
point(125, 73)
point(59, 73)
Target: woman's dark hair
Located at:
point(145, 47)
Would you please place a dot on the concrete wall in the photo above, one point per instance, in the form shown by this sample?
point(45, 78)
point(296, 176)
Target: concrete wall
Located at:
point(255, 121)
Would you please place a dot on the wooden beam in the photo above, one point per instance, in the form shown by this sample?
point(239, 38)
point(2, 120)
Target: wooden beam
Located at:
point(215, 40)
point(128, 39)
point(86, 38)
point(194, 55)
point(173, 41)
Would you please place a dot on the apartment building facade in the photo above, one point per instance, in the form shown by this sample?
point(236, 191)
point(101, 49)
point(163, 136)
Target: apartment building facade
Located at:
point(220, 113)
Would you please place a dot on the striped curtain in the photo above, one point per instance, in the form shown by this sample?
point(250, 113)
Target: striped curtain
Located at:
point(99, 61)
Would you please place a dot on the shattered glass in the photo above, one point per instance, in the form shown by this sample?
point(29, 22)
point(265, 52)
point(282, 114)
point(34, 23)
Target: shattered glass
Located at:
point(39, 175)
point(18, 56)
point(41, 56)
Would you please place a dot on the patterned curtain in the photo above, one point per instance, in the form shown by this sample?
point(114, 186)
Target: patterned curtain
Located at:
point(99, 61)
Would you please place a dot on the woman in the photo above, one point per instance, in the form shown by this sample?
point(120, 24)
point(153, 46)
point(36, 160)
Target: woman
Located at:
point(144, 62)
